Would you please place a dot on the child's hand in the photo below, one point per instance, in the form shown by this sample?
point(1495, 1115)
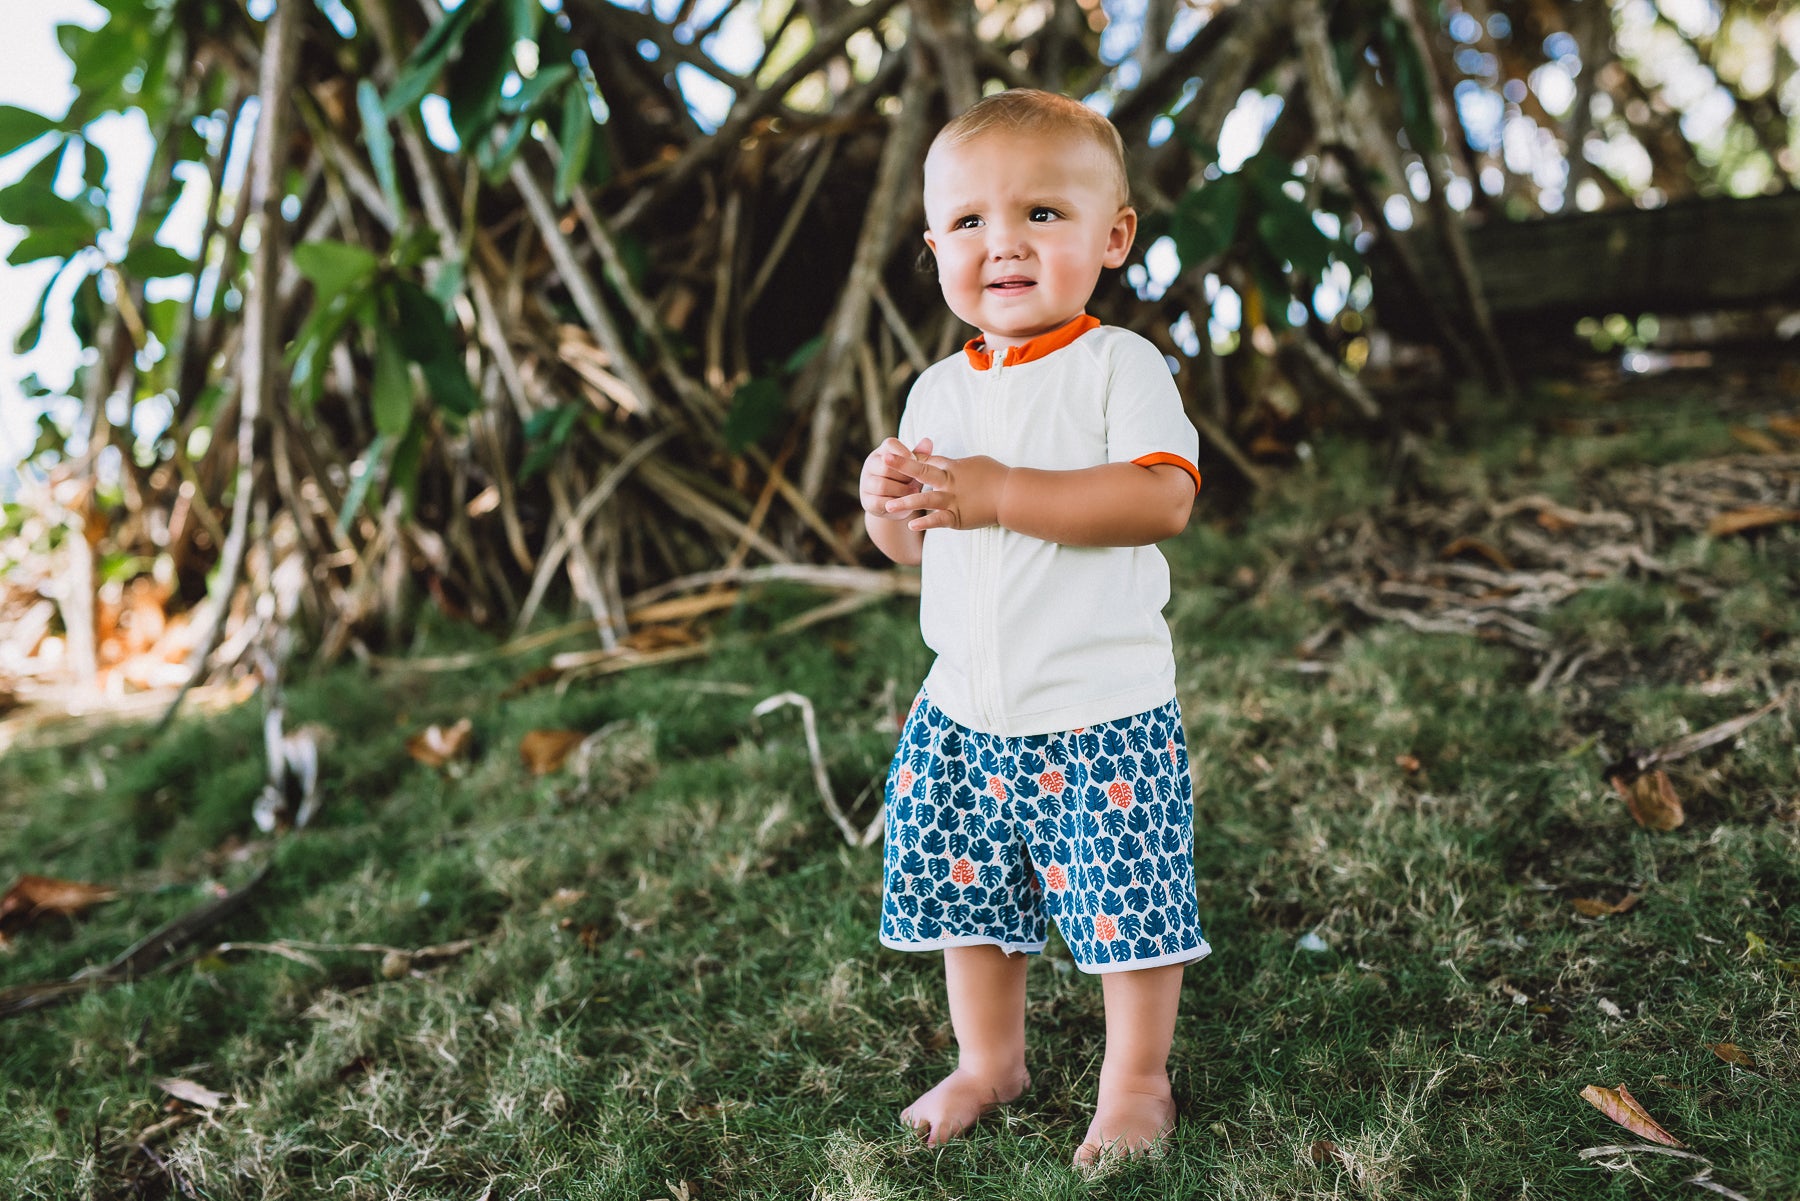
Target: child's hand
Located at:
point(885, 477)
point(958, 494)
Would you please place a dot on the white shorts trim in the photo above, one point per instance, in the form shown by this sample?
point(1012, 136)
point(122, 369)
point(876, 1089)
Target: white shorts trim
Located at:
point(963, 940)
point(1192, 955)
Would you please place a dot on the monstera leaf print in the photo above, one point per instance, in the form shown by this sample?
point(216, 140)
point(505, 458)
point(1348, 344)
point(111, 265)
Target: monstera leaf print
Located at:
point(1103, 767)
point(1137, 738)
point(909, 836)
point(1131, 925)
point(931, 909)
point(1155, 924)
point(1137, 898)
point(948, 891)
point(1119, 874)
point(942, 792)
point(1113, 822)
point(909, 904)
point(956, 914)
point(1144, 871)
point(903, 809)
point(958, 845)
point(1105, 848)
point(1030, 763)
point(990, 875)
point(957, 770)
point(934, 844)
point(984, 916)
point(1057, 753)
point(1140, 817)
point(1146, 948)
point(1090, 825)
point(990, 762)
point(1112, 742)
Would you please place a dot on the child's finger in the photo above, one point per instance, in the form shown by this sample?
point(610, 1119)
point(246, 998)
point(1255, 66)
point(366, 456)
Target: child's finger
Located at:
point(932, 473)
point(923, 449)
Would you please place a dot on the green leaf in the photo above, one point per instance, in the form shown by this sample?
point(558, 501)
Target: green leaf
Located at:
point(422, 69)
point(359, 483)
point(403, 472)
point(547, 432)
point(803, 354)
point(495, 158)
point(34, 328)
point(335, 267)
point(472, 83)
point(380, 143)
point(312, 345)
point(1288, 232)
point(87, 312)
point(425, 338)
point(56, 243)
point(391, 390)
point(536, 89)
point(575, 141)
point(19, 126)
point(758, 409)
point(1205, 221)
point(153, 260)
point(1413, 86)
point(25, 203)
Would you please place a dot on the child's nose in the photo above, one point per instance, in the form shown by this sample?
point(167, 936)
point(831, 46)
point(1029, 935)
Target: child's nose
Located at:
point(1006, 242)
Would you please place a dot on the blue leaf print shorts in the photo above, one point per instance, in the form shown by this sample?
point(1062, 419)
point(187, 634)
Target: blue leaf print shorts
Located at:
point(1093, 828)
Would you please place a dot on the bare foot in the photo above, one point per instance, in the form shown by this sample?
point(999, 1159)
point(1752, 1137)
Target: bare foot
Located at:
point(1130, 1118)
point(957, 1101)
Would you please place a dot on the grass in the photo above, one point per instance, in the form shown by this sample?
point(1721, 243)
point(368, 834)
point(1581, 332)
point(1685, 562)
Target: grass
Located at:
point(676, 983)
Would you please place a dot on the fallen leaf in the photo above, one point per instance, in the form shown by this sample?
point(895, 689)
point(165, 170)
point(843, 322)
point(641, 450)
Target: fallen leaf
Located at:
point(1323, 1151)
point(1486, 550)
point(1732, 1053)
point(650, 639)
point(1651, 799)
point(32, 897)
point(1756, 440)
point(1750, 517)
point(193, 1094)
point(1619, 1105)
point(1408, 763)
point(1755, 945)
point(1609, 1008)
point(562, 898)
point(543, 751)
point(1592, 908)
point(1786, 425)
point(438, 745)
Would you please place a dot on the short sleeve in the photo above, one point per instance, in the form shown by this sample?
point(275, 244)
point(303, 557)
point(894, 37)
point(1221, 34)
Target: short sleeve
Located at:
point(1145, 421)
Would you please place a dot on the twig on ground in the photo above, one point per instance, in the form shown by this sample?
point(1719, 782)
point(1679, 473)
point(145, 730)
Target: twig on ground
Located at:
point(820, 777)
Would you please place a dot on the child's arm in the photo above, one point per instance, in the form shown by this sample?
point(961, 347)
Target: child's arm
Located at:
point(1114, 504)
point(882, 481)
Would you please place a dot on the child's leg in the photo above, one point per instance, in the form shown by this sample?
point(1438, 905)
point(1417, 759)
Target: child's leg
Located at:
point(1135, 1107)
point(986, 987)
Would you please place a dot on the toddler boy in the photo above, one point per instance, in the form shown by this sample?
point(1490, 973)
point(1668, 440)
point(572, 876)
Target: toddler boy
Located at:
point(1042, 774)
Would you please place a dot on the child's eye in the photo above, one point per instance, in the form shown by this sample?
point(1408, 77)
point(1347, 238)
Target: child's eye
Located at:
point(1044, 213)
point(969, 221)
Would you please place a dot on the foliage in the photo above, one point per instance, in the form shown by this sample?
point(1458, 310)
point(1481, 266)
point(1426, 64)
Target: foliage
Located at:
point(527, 240)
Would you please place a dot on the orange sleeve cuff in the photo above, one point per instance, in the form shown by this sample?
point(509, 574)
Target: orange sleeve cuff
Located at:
point(1161, 457)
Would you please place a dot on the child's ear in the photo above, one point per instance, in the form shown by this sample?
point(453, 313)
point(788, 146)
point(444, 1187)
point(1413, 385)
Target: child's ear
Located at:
point(1120, 237)
point(926, 263)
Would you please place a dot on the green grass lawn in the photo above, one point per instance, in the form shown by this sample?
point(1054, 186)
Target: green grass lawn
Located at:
point(676, 984)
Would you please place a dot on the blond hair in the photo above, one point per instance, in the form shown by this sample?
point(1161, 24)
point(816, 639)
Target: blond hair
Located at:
point(1030, 111)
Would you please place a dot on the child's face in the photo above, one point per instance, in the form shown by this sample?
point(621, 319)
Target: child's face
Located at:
point(1021, 226)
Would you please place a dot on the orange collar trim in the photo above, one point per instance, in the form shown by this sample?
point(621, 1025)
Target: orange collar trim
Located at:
point(982, 359)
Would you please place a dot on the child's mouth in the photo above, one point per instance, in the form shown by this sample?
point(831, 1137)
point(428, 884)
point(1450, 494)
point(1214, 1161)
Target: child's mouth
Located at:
point(1012, 284)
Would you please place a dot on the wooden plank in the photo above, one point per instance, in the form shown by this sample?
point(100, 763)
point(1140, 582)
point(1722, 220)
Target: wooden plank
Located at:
point(1687, 256)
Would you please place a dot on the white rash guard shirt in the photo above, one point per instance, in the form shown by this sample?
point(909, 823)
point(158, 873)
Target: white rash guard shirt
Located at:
point(1033, 637)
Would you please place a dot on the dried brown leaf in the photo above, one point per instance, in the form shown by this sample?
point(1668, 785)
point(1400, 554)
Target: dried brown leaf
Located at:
point(193, 1094)
point(1785, 425)
point(1409, 764)
point(544, 751)
point(1486, 550)
point(1590, 907)
point(1756, 440)
point(32, 897)
point(1623, 1108)
point(1324, 1151)
point(437, 745)
point(1732, 1053)
point(1750, 517)
point(1651, 799)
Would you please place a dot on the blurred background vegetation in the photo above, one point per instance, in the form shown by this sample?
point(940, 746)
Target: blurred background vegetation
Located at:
point(580, 306)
